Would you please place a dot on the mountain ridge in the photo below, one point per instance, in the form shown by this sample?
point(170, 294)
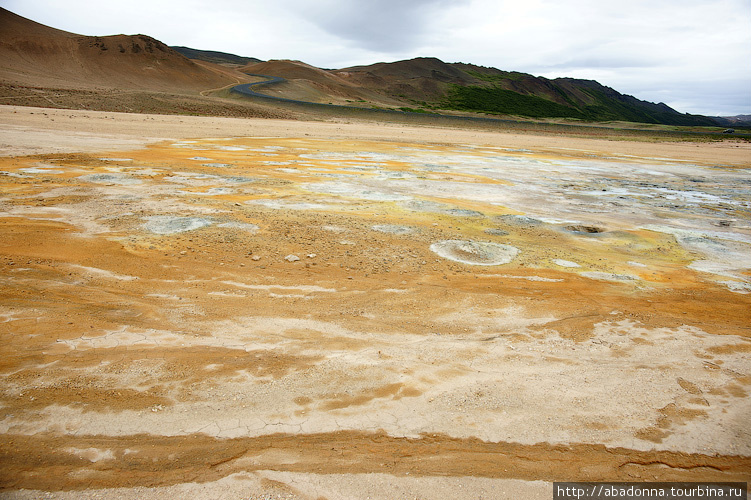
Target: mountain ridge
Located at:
point(214, 56)
point(469, 87)
point(35, 55)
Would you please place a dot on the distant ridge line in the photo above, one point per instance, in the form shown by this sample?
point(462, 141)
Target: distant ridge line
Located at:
point(245, 89)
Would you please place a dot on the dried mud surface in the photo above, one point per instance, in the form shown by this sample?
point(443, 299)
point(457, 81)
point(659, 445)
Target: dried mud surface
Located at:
point(282, 315)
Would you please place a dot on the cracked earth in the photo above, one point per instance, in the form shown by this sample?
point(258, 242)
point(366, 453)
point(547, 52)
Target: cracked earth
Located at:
point(281, 315)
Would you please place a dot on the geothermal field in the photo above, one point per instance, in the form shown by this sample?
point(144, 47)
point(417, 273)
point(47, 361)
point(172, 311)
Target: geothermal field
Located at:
point(342, 311)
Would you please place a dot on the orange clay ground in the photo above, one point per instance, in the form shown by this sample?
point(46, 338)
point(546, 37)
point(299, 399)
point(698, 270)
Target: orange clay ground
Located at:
point(308, 318)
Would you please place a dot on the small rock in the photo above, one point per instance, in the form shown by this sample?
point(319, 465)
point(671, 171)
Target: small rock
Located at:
point(256, 257)
point(292, 258)
point(311, 256)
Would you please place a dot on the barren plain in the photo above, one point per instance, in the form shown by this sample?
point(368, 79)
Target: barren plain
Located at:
point(250, 308)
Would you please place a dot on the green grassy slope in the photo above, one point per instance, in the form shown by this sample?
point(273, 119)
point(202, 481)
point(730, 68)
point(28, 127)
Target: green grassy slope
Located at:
point(521, 94)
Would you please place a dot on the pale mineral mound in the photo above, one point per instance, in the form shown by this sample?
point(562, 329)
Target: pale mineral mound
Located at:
point(475, 252)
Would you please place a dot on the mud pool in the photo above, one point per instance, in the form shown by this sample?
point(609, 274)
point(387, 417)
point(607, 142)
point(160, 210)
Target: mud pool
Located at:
point(625, 202)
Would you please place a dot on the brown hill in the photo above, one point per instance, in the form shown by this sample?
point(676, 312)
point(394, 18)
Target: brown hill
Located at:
point(293, 70)
point(37, 55)
point(213, 56)
point(522, 83)
point(523, 94)
point(422, 78)
point(419, 67)
point(308, 83)
point(40, 65)
point(433, 84)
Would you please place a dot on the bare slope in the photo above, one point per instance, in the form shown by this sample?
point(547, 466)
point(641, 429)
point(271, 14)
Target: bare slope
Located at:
point(34, 54)
point(216, 57)
point(468, 87)
point(422, 78)
point(308, 83)
point(44, 66)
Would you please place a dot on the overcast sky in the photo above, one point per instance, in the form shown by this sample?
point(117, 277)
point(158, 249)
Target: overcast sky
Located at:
point(694, 55)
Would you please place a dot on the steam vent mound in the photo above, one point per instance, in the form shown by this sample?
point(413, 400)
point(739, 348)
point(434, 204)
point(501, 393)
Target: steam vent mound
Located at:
point(475, 252)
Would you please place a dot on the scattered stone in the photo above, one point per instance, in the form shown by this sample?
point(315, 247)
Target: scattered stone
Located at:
point(584, 229)
point(464, 212)
point(496, 232)
point(292, 258)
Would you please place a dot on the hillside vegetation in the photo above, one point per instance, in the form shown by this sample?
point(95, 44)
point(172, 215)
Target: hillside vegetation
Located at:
point(40, 65)
point(514, 93)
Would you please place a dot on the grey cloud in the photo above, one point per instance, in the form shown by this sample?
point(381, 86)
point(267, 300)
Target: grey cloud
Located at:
point(378, 25)
point(690, 54)
point(719, 97)
point(600, 63)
